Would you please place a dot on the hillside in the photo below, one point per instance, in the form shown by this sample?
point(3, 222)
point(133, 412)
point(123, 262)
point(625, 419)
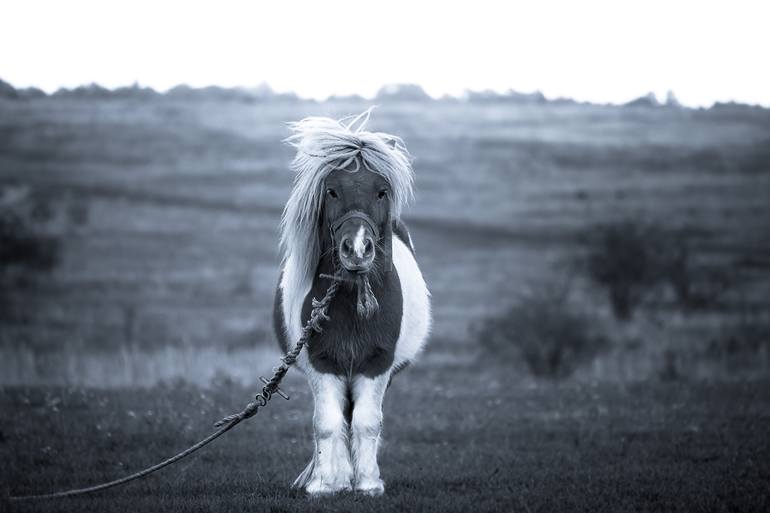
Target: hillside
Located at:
point(172, 257)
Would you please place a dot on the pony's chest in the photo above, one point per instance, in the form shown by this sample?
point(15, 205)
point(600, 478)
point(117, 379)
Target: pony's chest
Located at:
point(350, 344)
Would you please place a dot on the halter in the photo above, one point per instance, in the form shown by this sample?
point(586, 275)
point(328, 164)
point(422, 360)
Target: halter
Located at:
point(355, 214)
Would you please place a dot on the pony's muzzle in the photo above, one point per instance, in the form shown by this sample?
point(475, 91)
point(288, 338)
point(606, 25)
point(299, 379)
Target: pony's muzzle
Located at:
point(357, 252)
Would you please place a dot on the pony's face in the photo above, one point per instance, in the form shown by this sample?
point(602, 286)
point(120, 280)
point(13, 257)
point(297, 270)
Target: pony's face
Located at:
point(357, 211)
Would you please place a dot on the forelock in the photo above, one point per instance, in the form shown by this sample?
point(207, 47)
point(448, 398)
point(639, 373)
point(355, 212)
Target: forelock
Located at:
point(324, 144)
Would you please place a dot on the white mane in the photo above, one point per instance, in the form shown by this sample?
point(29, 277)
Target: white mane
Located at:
point(325, 144)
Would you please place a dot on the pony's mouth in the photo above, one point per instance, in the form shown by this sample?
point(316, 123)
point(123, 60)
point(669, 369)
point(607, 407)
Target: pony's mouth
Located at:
point(355, 236)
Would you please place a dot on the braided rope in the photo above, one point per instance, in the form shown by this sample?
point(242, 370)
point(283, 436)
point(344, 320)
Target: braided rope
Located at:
point(318, 314)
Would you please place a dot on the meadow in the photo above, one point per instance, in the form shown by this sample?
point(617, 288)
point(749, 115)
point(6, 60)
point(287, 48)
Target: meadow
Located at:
point(155, 320)
point(169, 212)
point(456, 440)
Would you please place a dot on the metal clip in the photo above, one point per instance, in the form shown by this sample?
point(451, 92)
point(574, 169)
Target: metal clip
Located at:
point(277, 390)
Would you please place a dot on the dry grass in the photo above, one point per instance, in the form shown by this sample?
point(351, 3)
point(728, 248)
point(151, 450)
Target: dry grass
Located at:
point(177, 246)
point(455, 442)
point(172, 264)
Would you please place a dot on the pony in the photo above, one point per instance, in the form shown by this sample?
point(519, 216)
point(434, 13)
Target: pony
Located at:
point(343, 221)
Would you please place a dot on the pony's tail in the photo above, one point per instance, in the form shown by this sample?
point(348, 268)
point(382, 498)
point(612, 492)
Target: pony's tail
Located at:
point(304, 477)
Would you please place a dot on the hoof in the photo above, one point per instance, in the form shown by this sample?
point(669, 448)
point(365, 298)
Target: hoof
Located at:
point(370, 487)
point(318, 488)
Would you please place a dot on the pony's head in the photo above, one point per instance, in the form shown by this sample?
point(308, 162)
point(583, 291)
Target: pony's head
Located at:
point(355, 219)
point(350, 185)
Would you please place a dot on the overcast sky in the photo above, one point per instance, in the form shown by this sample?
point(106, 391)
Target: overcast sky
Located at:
point(598, 51)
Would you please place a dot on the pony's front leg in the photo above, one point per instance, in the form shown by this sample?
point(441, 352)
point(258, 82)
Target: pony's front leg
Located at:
point(330, 471)
point(366, 428)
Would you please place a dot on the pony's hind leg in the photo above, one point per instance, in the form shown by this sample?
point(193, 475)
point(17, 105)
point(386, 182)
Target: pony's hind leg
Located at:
point(366, 428)
point(330, 470)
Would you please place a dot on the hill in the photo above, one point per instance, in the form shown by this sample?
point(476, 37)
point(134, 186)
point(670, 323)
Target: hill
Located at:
point(168, 211)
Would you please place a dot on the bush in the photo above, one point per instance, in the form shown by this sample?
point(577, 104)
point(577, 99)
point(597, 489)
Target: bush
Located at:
point(545, 331)
point(624, 258)
point(747, 339)
point(696, 284)
point(630, 258)
point(21, 246)
point(25, 248)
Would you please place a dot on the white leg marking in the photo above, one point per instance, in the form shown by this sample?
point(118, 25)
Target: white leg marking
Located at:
point(331, 467)
point(358, 242)
point(365, 430)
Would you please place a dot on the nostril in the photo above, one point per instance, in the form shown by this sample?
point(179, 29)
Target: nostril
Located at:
point(368, 247)
point(347, 247)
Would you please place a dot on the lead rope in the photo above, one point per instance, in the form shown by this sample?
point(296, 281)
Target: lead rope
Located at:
point(318, 314)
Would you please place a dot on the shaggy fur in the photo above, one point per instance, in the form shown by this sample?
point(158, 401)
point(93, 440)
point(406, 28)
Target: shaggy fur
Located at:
point(324, 144)
point(349, 184)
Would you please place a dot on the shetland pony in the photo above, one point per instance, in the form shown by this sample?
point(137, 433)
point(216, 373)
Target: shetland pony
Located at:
point(344, 216)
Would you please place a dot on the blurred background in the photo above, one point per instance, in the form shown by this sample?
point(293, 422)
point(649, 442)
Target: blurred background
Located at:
point(592, 192)
point(610, 242)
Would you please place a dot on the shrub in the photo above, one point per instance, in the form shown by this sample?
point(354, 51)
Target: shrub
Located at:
point(624, 258)
point(696, 284)
point(747, 339)
point(25, 248)
point(21, 246)
point(699, 286)
point(630, 258)
point(543, 330)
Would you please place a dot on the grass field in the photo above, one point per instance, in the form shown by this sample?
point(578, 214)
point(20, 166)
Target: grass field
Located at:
point(156, 320)
point(170, 255)
point(455, 441)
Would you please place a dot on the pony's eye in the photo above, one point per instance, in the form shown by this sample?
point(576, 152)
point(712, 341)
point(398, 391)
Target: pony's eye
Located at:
point(332, 193)
point(382, 194)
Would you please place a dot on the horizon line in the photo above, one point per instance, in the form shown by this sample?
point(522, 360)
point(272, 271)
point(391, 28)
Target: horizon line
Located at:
point(397, 88)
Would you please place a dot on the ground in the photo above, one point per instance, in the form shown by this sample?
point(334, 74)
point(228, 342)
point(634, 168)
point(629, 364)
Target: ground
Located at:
point(155, 322)
point(457, 439)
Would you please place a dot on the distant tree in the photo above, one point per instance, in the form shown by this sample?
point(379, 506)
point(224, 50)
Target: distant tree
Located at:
point(545, 331)
point(624, 258)
point(31, 92)
point(629, 258)
point(403, 92)
point(696, 285)
point(263, 92)
point(672, 101)
point(348, 98)
point(7, 90)
point(135, 91)
point(25, 249)
point(511, 96)
point(86, 92)
point(648, 100)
